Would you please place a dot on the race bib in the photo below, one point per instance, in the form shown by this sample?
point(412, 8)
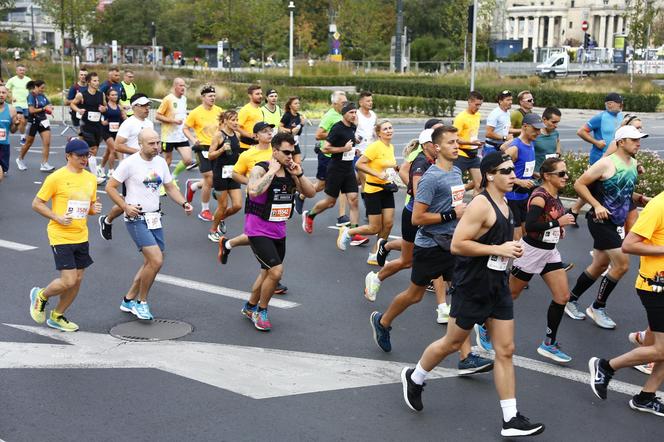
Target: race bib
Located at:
point(3, 133)
point(621, 232)
point(458, 192)
point(78, 209)
point(280, 212)
point(550, 155)
point(528, 169)
point(497, 263)
point(153, 220)
point(94, 116)
point(205, 153)
point(113, 126)
point(348, 156)
point(45, 123)
point(551, 236)
point(227, 172)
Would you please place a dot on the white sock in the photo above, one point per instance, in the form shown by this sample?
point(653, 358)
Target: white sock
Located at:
point(442, 306)
point(419, 374)
point(205, 206)
point(92, 165)
point(228, 245)
point(197, 185)
point(509, 409)
point(107, 222)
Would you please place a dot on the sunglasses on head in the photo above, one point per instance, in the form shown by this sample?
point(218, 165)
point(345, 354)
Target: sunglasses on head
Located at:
point(561, 174)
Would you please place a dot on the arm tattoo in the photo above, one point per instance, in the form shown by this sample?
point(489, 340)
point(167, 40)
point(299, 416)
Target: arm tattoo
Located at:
point(263, 182)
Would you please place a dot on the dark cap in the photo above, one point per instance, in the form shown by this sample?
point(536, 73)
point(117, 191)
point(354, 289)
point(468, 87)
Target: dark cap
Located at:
point(534, 120)
point(504, 94)
point(77, 146)
point(262, 125)
point(207, 89)
point(614, 97)
point(432, 122)
point(348, 107)
point(270, 92)
point(490, 162)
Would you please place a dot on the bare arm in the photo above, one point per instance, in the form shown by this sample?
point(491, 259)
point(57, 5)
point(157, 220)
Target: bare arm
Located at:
point(584, 134)
point(634, 245)
point(215, 147)
point(239, 178)
point(591, 175)
point(78, 99)
point(363, 165)
point(404, 172)
point(39, 206)
point(174, 193)
point(121, 146)
point(611, 149)
point(188, 132)
point(259, 181)
point(321, 134)
point(328, 148)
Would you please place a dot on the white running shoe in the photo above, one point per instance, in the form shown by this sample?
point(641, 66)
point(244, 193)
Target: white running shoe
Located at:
point(371, 286)
point(45, 167)
point(443, 314)
point(20, 164)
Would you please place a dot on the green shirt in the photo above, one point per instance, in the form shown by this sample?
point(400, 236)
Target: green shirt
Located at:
point(545, 145)
point(516, 119)
point(18, 88)
point(410, 158)
point(129, 91)
point(330, 118)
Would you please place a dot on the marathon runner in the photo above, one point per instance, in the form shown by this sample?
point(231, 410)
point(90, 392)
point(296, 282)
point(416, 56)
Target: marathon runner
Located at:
point(271, 111)
point(547, 143)
point(365, 133)
point(111, 122)
point(498, 123)
point(483, 244)
point(293, 122)
point(80, 84)
point(142, 173)
point(39, 108)
point(9, 122)
point(249, 115)
point(526, 104)
point(128, 91)
point(468, 124)
point(112, 82)
point(171, 114)
point(271, 190)
point(73, 194)
point(18, 87)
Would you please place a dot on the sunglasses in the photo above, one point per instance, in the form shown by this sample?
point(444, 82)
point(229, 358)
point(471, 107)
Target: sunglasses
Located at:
point(561, 174)
point(504, 170)
point(288, 152)
point(529, 101)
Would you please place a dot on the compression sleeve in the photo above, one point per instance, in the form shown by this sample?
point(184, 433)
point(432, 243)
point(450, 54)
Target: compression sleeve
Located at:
point(532, 220)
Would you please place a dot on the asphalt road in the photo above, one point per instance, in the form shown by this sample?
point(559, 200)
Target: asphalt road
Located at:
point(316, 376)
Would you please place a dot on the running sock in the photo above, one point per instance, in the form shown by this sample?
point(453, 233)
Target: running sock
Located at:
point(205, 206)
point(606, 286)
point(106, 221)
point(250, 305)
point(509, 409)
point(583, 283)
point(604, 363)
point(261, 309)
point(442, 306)
point(644, 397)
point(419, 374)
point(228, 245)
point(311, 214)
point(197, 185)
point(127, 299)
point(41, 296)
point(553, 317)
point(55, 315)
point(179, 169)
point(352, 226)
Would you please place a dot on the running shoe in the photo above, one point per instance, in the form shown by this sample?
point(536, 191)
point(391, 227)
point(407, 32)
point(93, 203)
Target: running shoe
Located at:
point(573, 311)
point(248, 312)
point(600, 317)
point(214, 236)
point(412, 392)
point(37, 306)
point(22, 140)
point(189, 192)
point(343, 220)
point(359, 240)
point(636, 338)
point(307, 222)
point(105, 230)
point(221, 228)
point(520, 426)
point(45, 167)
point(193, 165)
point(645, 368)
point(343, 238)
point(599, 378)
point(299, 203)
point(553, 352)
point(206, 215)
point(654, 406)
point(567, 266)
point(61, 323)
point(142, 311)
point(443, 314)
point(474, 364)
point(100, 172)
point(431, 288)
point(261, 321)
point(371, 260)
point(20, 164)
point(223, 253)
point(482, 338)
point(371, 286)
point(381, 252)
point(127, 306)
point(381, 335)
point(280, 289)
point(101, 180)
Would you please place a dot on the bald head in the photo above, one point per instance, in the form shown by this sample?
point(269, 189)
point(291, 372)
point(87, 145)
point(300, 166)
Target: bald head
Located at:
point(148, 139)
point(146, 134)
point(178, 87)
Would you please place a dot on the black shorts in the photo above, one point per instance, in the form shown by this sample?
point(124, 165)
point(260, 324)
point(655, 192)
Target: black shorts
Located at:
point(91, 135)
point(75, 121)
point(474, 305)
point(72, 256)
point(106, 134)
point(430, 263)
point(323, 162)
point(654, 305)
point(377, 201)
point(204, 164)
point(605, 234)
point(4, 157)
point(168, 147)
point(36, 126)
point(340, 182)
point(408, 230)
point(221, 184)
point(268, 251)
point(464, 163)
point(525, 276)
point(519, 209)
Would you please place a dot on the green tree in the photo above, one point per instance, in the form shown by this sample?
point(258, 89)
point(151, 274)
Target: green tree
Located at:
point(366, 25)
point(641, 15)
point(75, 18)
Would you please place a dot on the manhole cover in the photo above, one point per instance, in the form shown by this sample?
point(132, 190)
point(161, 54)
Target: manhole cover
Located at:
point(147, 331)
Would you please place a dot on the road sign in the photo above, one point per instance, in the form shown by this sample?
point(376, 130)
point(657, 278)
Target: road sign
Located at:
point(584, 25)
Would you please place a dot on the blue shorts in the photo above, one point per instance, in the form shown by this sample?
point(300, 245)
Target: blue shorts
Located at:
point(323, 161)
point(144, 237)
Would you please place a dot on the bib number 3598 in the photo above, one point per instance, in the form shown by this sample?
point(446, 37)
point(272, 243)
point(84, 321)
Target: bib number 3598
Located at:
point(497, 263)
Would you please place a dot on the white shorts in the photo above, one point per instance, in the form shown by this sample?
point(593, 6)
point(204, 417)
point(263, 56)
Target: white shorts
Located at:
point(534, 259)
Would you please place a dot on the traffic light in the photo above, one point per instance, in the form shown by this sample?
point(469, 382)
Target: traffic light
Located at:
point(471, 13)
point(586, 40)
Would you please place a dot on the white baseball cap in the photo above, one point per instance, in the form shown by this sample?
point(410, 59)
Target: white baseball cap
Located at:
point(629, 132)
point(425, 136)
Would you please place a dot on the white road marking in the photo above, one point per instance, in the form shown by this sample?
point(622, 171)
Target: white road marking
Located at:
point(16, 246)
point(218, 290)
point(337, 228)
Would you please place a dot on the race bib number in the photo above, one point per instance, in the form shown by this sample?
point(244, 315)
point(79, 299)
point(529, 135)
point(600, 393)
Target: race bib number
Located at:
point(205, 153)
point(280, 212)
point(45, 123)
point(458, 192)
point(227, 172)
point(94, 116)
point(497, 263)
point(621, 232)
point(348, 156)
point(78, 209)
point(528, 169)
point(153, 220)
point(551, 236)
point(550, 155)
point(113, 126)
point(3, 133)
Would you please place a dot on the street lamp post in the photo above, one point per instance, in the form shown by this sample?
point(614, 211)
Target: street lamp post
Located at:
point(473, 48)
point(291, 9)
point(32, 23)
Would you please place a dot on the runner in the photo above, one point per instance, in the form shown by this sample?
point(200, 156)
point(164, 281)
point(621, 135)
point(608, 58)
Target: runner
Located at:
point(646, 239)
point(80, 84)
point(293, 122)
point(203, 120)
point(249, 115)
point(224, 153)
point(545, 222)
point(271, 111)
point(483, 238)
point(38, 110)
point(608, 186)
point(142, 173)
point(113, 119)
point(112, 82)
point(526, 104)
point(171, 114)
point(365, 133)
point(8, 124)
point(18, 87)
point(271, 190)
point(128, 91)
point(468, 124)
point(547, 143)
point(72, 191)
point(498, 123)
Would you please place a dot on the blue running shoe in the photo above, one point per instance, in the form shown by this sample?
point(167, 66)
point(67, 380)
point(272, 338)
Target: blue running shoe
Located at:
point(247, 311)
point(553, 352)
point(142, 311)
point(381, 335)
point(127, 306)
point(482, 338)
point(474, 364)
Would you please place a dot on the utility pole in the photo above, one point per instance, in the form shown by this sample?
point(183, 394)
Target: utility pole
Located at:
point(473, 48)
point(397, 38)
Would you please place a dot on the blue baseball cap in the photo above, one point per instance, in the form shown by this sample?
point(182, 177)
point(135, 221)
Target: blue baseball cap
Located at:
point(77, 146)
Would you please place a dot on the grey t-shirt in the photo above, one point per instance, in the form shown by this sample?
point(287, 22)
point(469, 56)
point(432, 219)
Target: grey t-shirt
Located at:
point(438, 189)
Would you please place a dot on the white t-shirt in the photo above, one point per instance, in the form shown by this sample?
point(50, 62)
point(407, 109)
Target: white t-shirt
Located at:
point(365, 129)
point(130, 128)
point(500, 121)
point(143, 179)
point(177, 110)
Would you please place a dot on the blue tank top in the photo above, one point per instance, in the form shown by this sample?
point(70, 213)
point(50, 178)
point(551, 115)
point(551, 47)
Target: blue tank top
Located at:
point(5, 122)
point(113, 115)
point(524, 166)
point(615, 193)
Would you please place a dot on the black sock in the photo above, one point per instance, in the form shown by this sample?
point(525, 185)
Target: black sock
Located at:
point(127, 299)
point(604, 364)
point(250, 305)
point(311, 214)
point(644, 397)
point(606, 286)
point(260, 309)
point(583, 283)
point(553, 317)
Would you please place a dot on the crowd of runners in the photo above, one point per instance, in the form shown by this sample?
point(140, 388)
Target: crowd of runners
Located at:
point(481, 216)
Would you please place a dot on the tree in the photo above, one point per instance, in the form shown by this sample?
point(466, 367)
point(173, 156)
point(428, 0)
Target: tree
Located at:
point(367, 25)
point(641, 15)
point(74, 16)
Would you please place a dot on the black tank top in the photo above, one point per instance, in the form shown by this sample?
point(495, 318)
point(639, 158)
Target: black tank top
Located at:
point(91, 105)
point(473, 271)
point(227, 158)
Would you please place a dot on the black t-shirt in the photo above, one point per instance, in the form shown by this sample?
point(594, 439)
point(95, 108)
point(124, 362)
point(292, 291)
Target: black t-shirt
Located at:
point(417, 168)
point(290, 121)
point(338, 136)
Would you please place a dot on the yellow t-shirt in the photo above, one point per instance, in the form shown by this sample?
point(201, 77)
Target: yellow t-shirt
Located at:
point(248, 159)
point(73, 192)
point(380, 157)
point(248, 116)
point(174, 108)
point(469, 129)
point(204, 122)
point(650, 225)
